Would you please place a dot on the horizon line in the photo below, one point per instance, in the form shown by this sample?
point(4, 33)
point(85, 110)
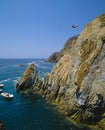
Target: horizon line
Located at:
point(23, 58)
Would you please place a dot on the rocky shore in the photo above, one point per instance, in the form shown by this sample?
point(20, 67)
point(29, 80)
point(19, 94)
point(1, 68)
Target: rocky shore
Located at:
point(77, 82)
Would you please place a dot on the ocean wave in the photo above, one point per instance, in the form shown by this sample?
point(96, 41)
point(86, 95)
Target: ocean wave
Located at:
point(44, 67)
point(37, 65)
point(30, 63)
point(5, 80)
point(16, 79)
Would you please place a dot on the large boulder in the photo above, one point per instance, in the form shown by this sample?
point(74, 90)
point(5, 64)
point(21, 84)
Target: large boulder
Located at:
point(77, 82)
point(29, 79)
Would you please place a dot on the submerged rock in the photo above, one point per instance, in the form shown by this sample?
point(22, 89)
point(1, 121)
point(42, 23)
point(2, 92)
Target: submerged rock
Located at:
point(77, 82)
point(29, 79)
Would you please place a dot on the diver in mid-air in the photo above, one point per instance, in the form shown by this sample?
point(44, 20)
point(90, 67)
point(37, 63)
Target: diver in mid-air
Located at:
point(74, 26)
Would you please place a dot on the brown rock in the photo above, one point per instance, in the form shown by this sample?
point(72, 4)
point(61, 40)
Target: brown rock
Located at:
point(29, 79)
point(77, 82)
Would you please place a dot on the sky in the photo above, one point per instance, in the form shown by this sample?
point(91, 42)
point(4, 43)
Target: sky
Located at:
point(37, 28)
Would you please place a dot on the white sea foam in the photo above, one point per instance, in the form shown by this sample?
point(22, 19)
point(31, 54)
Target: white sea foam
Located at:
point(5, 80)
point(30, 63)
point(16, 80)
point(37, 65)
point(44, 67)
point(16, 77)
point(41, 66)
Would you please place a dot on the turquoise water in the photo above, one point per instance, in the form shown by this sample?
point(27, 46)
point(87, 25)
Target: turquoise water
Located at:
point(27, 112)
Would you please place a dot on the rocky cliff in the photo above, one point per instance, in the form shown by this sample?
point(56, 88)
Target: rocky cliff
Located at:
point(55, 57)
point(29, 79)
point(77, 82)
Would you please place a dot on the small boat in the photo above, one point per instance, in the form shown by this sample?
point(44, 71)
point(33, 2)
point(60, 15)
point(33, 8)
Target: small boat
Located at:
point(7, 95)
point(1, 85)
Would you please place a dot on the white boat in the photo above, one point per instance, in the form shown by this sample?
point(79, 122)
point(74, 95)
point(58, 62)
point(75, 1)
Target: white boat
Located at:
point(7, 95)
point(1, 85)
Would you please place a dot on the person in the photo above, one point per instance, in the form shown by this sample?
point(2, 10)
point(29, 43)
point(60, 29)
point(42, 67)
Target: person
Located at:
point(74, 26)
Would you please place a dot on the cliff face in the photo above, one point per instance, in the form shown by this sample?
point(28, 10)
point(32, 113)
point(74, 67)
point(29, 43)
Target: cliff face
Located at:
point(55, 57)
point(77, 82)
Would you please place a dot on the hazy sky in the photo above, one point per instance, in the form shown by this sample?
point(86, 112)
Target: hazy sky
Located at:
point(37, 28)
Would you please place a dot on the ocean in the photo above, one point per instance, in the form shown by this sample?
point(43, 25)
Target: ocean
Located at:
point(24, 111)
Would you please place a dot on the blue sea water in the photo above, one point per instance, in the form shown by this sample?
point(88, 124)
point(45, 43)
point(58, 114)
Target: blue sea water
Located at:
point(27, 112)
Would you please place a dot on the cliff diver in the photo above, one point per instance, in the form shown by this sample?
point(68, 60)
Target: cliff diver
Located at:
point(74, 26)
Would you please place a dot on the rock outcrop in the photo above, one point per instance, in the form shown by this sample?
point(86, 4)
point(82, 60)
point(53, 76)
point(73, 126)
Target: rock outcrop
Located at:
point(77, 82)
point(55, 57)
point(29, 79)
